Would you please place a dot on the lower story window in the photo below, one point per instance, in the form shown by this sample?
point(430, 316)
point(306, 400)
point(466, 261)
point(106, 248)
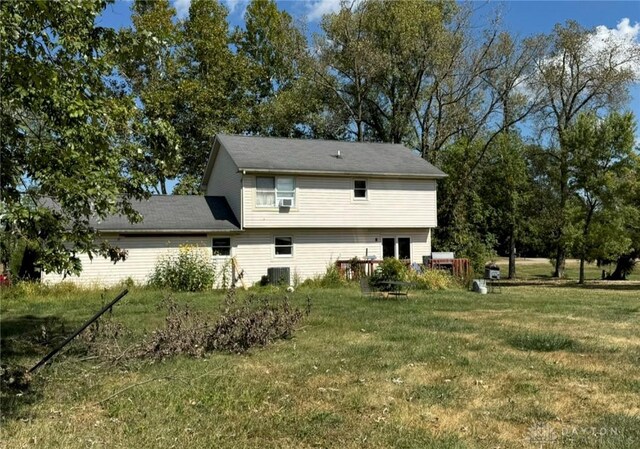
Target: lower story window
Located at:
point(404, 248)
point(399, 247)
point(284, 246)
point(221, 246)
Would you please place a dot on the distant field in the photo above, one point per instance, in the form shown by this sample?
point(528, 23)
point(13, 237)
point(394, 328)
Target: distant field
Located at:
point(539, 268)
point(440, 370)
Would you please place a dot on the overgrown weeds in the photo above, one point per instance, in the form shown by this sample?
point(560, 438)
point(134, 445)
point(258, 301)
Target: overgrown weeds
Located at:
point(255, 321)
point(243, 324)
point(102, 339)
point(433, 280)
point(188, 271)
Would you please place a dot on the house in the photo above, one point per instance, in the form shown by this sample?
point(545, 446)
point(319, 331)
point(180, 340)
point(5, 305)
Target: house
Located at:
point(275, 202)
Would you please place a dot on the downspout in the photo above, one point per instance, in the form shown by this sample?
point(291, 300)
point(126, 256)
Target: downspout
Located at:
point(242, 200)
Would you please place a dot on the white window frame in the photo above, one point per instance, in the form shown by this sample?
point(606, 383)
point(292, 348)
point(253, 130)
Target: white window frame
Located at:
point(221, 255)
point(275, 191)
point(366, 190)
point(275, 253)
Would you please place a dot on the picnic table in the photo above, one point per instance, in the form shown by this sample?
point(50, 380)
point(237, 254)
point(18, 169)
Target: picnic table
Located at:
point(398, 288)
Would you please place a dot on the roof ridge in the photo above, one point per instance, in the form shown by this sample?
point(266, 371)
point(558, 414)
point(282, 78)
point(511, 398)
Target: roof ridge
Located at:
point(311, 139)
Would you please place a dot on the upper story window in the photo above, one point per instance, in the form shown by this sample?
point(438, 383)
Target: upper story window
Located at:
point(221, 246)
point(360, 189)
point(271, 190)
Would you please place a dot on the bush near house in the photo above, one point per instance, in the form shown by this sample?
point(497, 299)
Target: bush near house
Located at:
point(433, 280)
point(390, 269)
point(188, 271)
point(330, 279)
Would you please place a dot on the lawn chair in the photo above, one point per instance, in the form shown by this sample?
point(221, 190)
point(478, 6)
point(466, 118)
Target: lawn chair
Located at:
point(365, 287)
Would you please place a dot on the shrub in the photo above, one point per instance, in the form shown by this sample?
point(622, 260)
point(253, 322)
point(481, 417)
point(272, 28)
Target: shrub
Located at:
point(432, 280)
point(390, 269)
point(330, 279)
point(189, 270)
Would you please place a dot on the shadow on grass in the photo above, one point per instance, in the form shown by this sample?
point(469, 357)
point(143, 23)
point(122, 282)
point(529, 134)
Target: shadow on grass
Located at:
point(545, 342)
point(29, 335)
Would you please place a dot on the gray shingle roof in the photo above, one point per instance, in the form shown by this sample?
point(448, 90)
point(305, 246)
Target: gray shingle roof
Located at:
point(175, 214)
point(319, 156)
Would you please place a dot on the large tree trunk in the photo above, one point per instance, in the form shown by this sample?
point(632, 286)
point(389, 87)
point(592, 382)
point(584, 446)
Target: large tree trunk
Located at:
point(581, 279)
point(163, 185)
point(560, 259)
point(624, 261)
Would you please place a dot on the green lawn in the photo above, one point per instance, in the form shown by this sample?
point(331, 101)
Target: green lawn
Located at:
point(440, 370)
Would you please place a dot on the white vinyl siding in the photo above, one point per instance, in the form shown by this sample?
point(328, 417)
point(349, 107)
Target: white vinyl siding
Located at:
point(254, 250)
point(143, 254)
point(315, 249)
point(226, 181)
point(328, 202)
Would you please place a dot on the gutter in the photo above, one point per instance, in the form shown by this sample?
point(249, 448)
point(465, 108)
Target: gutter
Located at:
point(166, 231)
point(345, 174)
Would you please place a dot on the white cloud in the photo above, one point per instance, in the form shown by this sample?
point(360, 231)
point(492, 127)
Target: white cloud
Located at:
point(318, 8)
point(232, 4)
point(182, 8)
point(624, 38)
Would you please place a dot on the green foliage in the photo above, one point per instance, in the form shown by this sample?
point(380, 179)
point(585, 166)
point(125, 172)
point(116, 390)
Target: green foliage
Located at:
point(374, 59)
point(595, 80)
point(604, 169)
point(65, 130)
point(151, 68)
point(32, 290)
point(432, 280)
point(189, 270)
point(390, 269)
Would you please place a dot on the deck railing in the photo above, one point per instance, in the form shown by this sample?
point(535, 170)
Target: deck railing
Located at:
point(354, 269)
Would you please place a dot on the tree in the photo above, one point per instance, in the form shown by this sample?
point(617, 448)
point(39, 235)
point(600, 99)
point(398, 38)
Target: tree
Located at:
point(505, 184)
point(601, 166)
point(575, 75)
point(346, 63)
point(65, 146)
point(212, 95)
point(151, 67)
point(277, 94)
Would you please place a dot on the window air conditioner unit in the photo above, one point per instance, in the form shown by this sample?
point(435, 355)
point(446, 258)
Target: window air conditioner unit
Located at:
point(286, 202)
